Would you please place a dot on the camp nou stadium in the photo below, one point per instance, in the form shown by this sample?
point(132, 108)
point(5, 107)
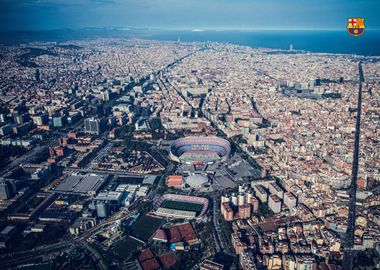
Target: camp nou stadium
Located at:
point(200, 149)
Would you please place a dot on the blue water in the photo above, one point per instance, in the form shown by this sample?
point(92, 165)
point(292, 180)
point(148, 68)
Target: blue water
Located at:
point(313, 41)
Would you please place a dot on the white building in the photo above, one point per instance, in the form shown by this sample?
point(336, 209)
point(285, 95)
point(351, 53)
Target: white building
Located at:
point(274, 203)
point(290, 200)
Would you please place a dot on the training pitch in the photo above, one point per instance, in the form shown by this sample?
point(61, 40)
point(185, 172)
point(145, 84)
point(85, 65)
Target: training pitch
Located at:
point(184, 206)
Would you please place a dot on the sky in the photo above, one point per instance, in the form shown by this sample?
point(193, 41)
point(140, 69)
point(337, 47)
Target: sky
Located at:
point(186, 14)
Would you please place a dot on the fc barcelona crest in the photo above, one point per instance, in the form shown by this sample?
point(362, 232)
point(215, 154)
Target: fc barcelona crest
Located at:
point(355, 26)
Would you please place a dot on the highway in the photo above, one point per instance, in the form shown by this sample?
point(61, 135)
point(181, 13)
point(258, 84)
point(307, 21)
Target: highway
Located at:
point(216, 232)
point(221, 242)
point(348, 253)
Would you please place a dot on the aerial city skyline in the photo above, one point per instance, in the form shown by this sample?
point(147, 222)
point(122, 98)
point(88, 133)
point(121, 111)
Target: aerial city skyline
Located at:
point(173, 135)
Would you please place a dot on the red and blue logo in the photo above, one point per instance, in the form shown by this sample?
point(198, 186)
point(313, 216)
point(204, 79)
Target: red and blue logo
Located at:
point(355, 26)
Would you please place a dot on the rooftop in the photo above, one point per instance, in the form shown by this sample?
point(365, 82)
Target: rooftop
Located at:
point(81, 184)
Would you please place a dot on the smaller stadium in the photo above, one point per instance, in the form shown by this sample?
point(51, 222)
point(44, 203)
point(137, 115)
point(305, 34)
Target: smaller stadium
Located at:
point(181, 206)
point(200, 150)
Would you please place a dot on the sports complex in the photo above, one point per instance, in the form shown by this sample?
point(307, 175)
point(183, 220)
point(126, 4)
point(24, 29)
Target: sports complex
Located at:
point(181, 206)
point(200, 149)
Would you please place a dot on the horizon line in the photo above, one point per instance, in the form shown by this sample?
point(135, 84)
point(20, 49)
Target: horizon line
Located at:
point(192, 29)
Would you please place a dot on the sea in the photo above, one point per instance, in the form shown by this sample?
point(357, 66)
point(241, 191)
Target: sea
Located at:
point(323, 41)
point(339, 42)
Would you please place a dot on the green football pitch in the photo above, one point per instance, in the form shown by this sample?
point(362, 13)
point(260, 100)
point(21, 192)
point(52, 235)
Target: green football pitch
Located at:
point(184, 206)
